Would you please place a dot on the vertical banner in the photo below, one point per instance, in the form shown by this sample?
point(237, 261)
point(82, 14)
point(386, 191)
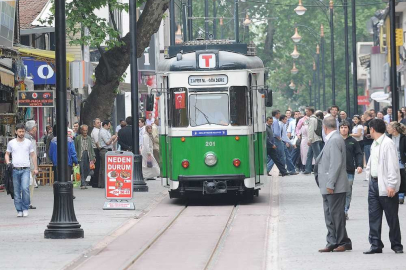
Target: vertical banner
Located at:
point(119, 175)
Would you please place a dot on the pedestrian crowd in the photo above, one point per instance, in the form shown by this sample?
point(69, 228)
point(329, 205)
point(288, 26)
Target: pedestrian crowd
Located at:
point(334, 147)
point(86, 154)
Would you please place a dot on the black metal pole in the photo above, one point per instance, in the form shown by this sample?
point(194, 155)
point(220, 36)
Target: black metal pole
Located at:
point(323, 69)
point(190, 21)
point(172, 22)
point(393, 73)
point(185, 36)
point(313, 101)
point(138, 181)
point(310, 93)
point(318, 83)
point(333, 79)
point(236, 22)
point(206, 20)
point(347, 59)
point(63, 223)
point(354, 57)
point(214, 20)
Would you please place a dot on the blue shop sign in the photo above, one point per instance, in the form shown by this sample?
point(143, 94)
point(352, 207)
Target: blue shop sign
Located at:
point(40, 72)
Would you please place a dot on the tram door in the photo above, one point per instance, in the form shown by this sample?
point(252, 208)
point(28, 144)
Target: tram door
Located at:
point(259, 116)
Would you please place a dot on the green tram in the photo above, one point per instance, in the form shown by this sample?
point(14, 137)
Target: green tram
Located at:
point(212, 104)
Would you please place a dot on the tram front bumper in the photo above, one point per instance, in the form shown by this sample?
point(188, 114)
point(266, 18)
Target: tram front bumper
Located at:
point(211, 184)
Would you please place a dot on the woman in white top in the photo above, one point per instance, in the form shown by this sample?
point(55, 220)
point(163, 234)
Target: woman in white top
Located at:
point(150, 167)
point(358, 130)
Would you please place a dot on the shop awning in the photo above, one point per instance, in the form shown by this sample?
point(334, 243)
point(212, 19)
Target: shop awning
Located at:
point(6, 77)
point(43, 54)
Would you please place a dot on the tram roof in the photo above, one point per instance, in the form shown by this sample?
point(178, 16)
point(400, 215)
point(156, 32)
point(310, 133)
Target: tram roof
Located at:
point(229, 58)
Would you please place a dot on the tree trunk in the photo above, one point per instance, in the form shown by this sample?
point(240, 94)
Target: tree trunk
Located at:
point(114, 63)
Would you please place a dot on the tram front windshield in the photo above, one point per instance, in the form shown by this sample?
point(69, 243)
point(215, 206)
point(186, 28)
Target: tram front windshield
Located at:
point(211, 109)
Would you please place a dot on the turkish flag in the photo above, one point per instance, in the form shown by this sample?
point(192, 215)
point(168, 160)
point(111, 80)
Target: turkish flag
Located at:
point(180, 102)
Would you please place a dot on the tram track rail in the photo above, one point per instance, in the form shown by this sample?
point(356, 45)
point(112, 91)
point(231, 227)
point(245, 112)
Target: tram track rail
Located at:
point(213, 254)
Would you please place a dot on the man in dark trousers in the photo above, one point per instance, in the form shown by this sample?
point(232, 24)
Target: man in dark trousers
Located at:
point(271, 149)
point(354, 159)
point(333, 184)
point(125, 135)
point(384, 182)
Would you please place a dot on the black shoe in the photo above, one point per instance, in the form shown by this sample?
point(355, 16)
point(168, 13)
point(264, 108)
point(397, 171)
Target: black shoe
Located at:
point(307, 172)
point(293, 173)
point(74, 197)
point(399, 251)
point(32, 207)
point(284, 174)
point(373, 251)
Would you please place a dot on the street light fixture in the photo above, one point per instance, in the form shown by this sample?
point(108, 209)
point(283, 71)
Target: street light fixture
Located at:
point(300, 9)
point(296, 37)
point(292, 85)
point(294, 70)
point(295, 54)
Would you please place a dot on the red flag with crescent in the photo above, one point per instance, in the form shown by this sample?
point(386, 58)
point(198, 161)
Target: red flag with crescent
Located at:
point(180, 102)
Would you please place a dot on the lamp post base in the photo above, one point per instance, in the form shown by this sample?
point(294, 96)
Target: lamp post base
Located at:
point(63, 224)
point(139, 184)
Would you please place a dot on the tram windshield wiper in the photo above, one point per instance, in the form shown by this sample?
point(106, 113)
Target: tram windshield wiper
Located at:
point(205, 115)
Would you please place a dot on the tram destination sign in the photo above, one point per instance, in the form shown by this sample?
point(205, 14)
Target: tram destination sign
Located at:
point(204, 133)
point(35, 98)
point(200, 80)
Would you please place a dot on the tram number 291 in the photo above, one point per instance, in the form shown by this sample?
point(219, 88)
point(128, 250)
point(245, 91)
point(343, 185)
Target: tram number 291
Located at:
point(210, 143)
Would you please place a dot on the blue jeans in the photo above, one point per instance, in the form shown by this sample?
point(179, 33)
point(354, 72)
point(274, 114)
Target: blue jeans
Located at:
point(269, 164)
point(280, 149)
point(308, 165)
point(367, 151)
point(316, 147)
point(21, 182)
point(349, 193)
point(288, 158)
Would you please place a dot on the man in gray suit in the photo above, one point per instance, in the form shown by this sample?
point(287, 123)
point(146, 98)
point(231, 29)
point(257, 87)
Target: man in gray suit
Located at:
point(333, 184)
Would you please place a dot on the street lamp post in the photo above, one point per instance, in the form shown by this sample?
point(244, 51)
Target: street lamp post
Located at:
point(354, 57)
point(333, 79)
point(393, 73)
point(323, 68)
point(318, 105)
point(63, 223)
point(138, 181)
point(347, 58)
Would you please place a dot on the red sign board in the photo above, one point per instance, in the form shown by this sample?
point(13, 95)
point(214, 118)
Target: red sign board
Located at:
point(36, 98)
point(119, 175)
point(363, 100)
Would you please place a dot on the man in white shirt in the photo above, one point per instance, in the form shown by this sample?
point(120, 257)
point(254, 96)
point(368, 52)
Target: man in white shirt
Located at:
point(384, 182)
point(150, 119)
point(141, 123)
point(21, 150)
point(95, 144)
point(388, 116)
point(31, 130)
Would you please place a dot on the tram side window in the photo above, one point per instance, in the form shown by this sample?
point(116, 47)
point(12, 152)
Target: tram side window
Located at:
point(179, 104)
point(239, 105)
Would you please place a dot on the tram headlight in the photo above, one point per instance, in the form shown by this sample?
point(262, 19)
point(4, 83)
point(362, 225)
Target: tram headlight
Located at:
point(210, 159)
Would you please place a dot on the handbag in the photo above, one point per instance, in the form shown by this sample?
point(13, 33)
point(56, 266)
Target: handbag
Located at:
point(92, 165)
point(76, 173)
point(149, 162)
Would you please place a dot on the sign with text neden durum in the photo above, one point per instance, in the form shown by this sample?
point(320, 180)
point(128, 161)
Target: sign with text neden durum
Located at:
point(119, 175)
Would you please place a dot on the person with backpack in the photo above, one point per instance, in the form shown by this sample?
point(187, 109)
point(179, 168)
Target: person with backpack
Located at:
point(315, 140)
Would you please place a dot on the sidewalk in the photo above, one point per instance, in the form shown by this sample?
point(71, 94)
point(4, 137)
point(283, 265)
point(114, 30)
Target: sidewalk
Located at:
point(22, 241)
point(301, 231)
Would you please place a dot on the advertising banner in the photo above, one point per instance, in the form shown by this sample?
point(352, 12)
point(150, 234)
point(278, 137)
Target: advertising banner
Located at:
point(119, 175)
point(40, 98)
point(363, 100)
